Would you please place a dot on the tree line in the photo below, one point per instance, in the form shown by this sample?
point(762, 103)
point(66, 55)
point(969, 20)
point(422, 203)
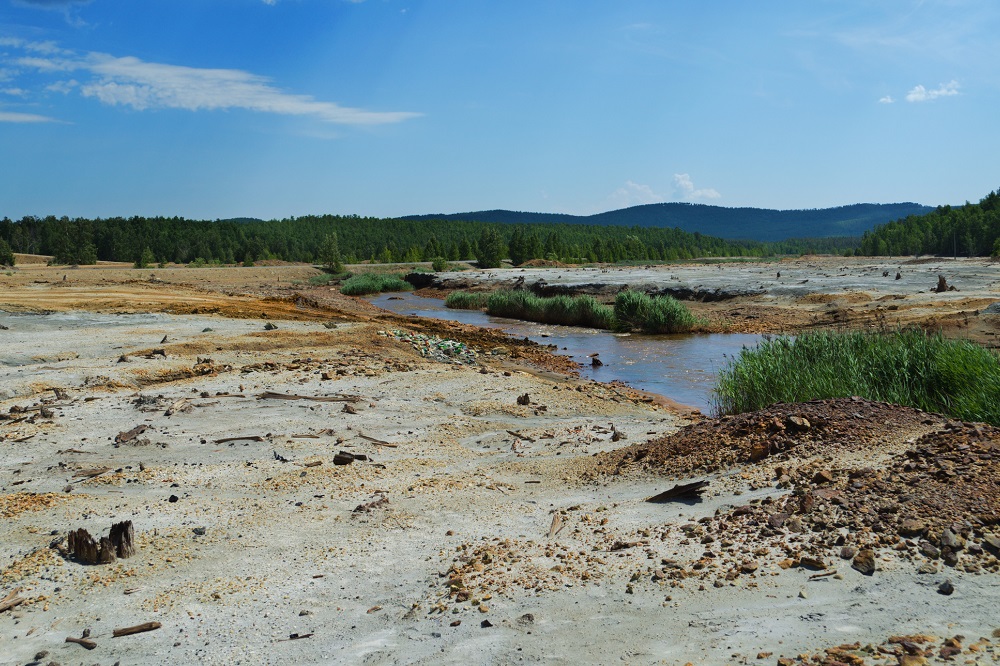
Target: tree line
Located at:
point(972, 230)
point(145, 240)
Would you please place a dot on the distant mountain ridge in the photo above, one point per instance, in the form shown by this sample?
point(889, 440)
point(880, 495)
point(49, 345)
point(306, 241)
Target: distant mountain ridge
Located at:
point(759, 224)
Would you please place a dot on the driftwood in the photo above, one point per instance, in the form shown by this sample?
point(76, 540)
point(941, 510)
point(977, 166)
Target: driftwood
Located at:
point(377, 442)
point(346, 458)
point(269, 395)
point(85, 642)
point(249, 438)
point(682, 491)
point(556, 526)
point(520, 436)
point(123, 539)
point(90, 473)
point(11, 600)
point(137, 629)
point(129, 435)
point(182, 405)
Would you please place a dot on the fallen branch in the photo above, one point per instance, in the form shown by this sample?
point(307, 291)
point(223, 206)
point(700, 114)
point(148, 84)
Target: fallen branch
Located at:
point(85, 642)
point(822, 575)
point(269, 395)
point(556, 526)
point(377, 442)
point(520, 436)
point(84, 474)
point(182, 405)
point(11, 600)
point(129, 435)
point(137, 629)
point(250, 438)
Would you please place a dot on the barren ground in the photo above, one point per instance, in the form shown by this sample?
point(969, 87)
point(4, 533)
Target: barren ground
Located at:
point(477, 528)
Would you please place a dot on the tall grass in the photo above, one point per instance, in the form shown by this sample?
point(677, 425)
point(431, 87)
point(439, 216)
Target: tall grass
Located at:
point(652, 314)
point(566, 310)
point(373, 283)
point(465, 300)
point(905, 367)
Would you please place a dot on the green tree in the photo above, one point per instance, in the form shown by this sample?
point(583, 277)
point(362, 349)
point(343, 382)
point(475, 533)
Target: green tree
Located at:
point(6, 254)
point(144, 259)
point(329, 254)
point(491, 248)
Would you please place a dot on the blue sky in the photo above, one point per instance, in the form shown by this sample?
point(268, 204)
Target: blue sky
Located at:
point(273, 108)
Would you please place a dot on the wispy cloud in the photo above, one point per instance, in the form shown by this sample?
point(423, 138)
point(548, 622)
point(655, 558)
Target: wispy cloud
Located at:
point(922, 94)
point(633, 194)
point(886, 100)
point(688, 191)
point(130, 81)
point(12, 117)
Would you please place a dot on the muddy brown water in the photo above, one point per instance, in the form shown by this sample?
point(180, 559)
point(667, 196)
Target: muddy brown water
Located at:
point(681, 367)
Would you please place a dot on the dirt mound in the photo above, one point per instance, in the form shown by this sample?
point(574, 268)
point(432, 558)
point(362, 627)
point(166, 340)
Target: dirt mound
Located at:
point(547, 263)
point(937, 500)
point(820, 426)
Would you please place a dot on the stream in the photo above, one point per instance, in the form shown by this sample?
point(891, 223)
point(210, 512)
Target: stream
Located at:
point(680, 367)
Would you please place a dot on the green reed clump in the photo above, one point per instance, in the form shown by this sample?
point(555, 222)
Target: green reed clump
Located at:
point(904, 367)
point(465, 300)
point(373, 283)
point(652, 314)
point(565, 310)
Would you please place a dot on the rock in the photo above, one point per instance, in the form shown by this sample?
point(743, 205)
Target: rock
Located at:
point(847, 552)
point(912, 527)
point(823, 477)
point(927, 568)
point(200, 531)
point(951, 540)
point(798, 423)
point(946, 588)
point(930, 550)
point(524, 399)
point(749, 567)
point(812, 563)
point(803, 593)
point(527, 618)
point(864, 562)
point(777, 520)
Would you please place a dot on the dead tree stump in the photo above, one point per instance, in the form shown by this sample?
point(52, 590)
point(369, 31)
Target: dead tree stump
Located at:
point(120, 543)
point(123, 539)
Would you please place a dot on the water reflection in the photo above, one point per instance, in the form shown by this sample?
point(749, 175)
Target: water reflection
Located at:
point(681, 367)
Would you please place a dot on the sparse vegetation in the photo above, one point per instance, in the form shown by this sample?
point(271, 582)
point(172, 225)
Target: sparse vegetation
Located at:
point(373, 283)
point(905, 367)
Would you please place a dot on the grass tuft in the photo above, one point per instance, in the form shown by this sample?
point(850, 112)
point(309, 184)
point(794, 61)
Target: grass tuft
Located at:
point(652, 314)
point(906, 367)
point(464, 300)
point(373, 283)
point(565, 310)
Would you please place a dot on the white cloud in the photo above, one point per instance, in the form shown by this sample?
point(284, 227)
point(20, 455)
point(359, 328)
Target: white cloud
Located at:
point(886, 100)
point(15, 92)
point(129, 81)
point(12, 117)
point(921, 94)
point(688, 191)
point(633, 194)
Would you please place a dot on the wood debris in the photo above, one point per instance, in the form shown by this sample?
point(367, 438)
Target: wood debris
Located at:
point(11, 600)
point(129, 435)
point(137, 629)
point(85, 642)
point(377, 442)
point(270, 395)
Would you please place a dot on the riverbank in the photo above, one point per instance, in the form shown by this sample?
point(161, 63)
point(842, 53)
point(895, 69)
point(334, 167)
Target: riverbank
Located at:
point(471, 516)
point(785, 296)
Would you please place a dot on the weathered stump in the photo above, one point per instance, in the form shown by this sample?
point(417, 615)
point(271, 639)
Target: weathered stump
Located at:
point(123, 539)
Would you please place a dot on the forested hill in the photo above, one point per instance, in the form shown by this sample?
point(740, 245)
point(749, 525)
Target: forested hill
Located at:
point(972, 230)
point(758, 224)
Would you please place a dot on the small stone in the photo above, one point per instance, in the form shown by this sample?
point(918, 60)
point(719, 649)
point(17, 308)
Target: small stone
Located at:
point(848, 552)
point(200, 531)
point(749, 567)
point(485, 624)
point(455, 623)
point(912, 527)
point(41, 655)
point(484, 609)
point(946, 588)
point(823, 477)
point(528, 618)
point(803, 593)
